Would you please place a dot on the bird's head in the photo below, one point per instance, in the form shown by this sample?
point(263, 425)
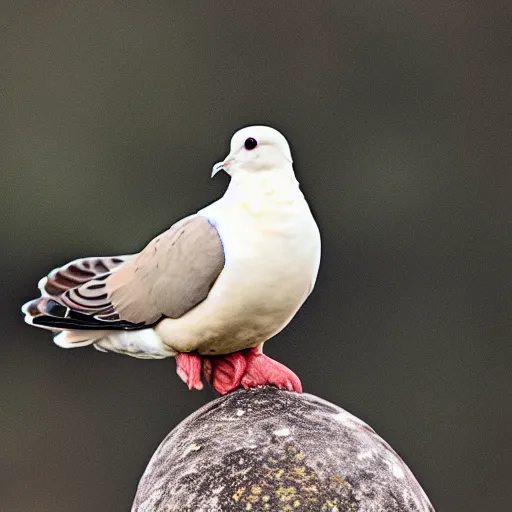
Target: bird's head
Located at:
point(256, 148)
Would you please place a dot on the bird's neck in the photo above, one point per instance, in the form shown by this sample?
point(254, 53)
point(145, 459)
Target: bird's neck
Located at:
point(269, 186)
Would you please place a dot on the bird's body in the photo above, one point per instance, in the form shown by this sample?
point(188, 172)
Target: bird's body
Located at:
point(271, 264)
point(252, 264)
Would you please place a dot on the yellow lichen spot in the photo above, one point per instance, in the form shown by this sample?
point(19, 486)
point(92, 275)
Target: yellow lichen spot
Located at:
point(265, 498)
point(286, 493)
point(300, 470)
point(248, 506)
point(252, 498)
point(287, 508)
point(256, 489)
point(239, 493)
point(300, 456)
point(296, 503)
point(331, 505)
point(266, 506)
point(338, 479)
point(279, 474)
point(272, 460)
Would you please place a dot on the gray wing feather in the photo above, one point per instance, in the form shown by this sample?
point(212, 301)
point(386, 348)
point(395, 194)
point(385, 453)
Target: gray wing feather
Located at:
point(173, 273)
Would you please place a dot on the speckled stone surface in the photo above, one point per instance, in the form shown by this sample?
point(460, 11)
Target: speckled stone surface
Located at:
point(266, 449)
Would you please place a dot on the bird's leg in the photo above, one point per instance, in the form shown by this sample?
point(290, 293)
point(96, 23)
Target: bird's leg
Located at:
point(263, 371)
point(225, 372)
point(189, 366)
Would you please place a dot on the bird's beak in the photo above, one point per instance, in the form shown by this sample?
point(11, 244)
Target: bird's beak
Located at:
point(222, 166)
point(217, 167)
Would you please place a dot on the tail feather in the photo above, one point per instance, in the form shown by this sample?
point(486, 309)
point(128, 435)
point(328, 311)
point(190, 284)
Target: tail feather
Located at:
point(143, 344)
point(75, 339)
point(74, 307)
point(51, 313)
point(78, 272)
point(56, 309)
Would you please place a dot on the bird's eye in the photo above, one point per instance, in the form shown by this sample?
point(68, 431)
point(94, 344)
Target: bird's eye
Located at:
point(250, 143)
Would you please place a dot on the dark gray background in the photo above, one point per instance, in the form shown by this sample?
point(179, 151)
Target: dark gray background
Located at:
point(399, 117)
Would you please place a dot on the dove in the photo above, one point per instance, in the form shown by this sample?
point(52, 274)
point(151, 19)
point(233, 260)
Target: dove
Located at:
point(209, 291)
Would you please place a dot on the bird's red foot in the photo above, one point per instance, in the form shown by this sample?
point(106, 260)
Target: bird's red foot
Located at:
point(264, 371)
point(189, 366)
point(248, 369)
point(225, 373)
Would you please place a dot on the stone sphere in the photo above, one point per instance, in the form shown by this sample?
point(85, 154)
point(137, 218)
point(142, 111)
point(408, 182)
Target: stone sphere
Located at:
point(266, 449)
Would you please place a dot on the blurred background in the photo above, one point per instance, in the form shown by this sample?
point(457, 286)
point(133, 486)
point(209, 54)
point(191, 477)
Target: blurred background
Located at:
point(399, 118)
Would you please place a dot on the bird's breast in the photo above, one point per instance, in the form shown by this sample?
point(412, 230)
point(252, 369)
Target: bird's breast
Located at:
point(271, 256)
point(271, 263)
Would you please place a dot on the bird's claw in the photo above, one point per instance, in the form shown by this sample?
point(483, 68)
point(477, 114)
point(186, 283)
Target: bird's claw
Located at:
point(265, 371)
point(189, 367)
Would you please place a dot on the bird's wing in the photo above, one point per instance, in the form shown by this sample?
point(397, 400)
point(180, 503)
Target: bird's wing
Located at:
point(171, 275)
point(78, 272)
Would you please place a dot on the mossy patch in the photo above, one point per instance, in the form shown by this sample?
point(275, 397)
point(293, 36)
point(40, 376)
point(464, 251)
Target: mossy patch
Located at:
point(285, 482)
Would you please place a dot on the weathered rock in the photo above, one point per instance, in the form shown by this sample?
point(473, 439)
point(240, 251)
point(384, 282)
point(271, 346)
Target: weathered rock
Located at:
point(267, 449)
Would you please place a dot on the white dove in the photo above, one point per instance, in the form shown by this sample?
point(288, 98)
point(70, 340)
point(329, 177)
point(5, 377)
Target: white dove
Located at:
point(211, 289)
